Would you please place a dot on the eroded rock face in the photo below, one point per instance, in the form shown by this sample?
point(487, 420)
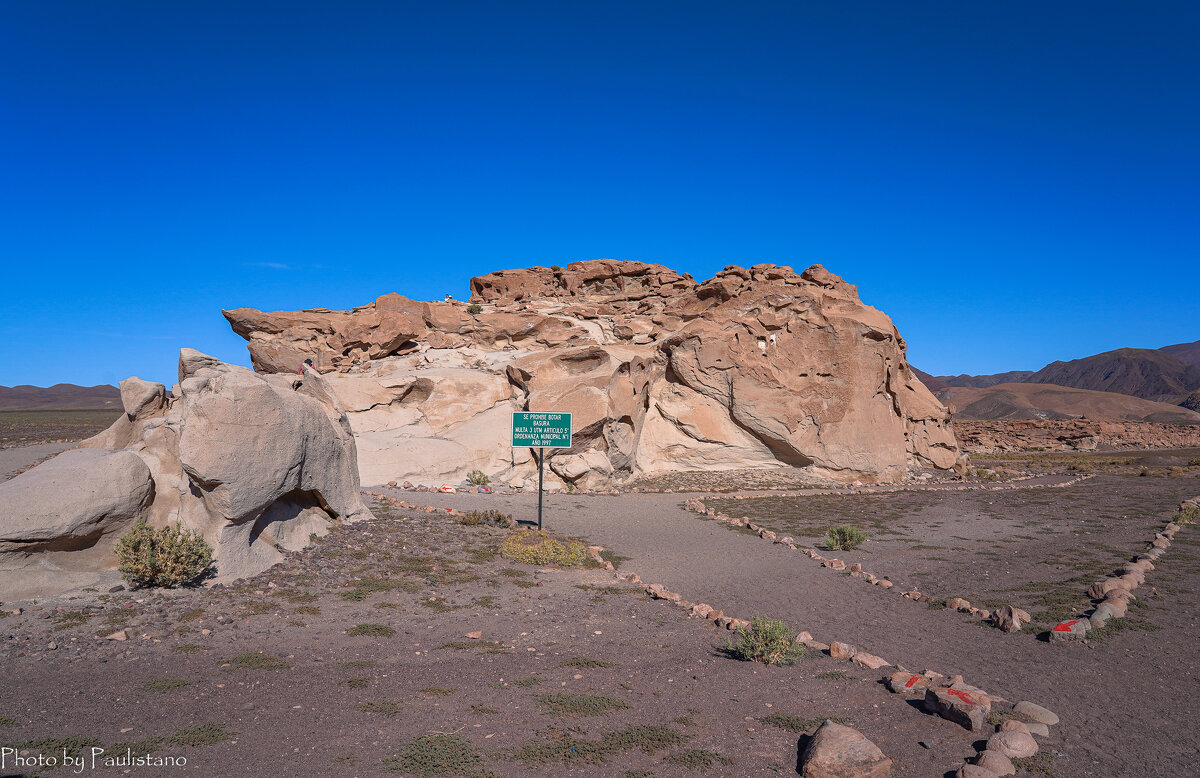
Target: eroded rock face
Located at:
point(256, 463)
point(758, 367)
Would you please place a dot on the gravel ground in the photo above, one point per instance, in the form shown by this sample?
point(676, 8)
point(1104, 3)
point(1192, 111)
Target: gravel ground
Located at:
point(1126, 703)
point(21, 457)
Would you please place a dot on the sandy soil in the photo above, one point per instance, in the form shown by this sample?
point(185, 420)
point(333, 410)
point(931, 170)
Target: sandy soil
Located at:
point(1125, 702)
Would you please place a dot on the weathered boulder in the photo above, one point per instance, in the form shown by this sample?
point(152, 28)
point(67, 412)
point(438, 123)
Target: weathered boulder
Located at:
point(1074, 629)
point(838, 751)
point(1031, 711)
point(256, 464)
point(72, 501)
point(758, 367)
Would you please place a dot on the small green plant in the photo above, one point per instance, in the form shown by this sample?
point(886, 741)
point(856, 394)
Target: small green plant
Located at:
point(490, 518)
point(568, 748)
point(381, 707)
point(371, 631)
point(579, 705)
point(189, 648)
point(201, 735)
point(478, 478)
point(167, 557)
point(358, 664)
point(1188, 514)
point(795, 723)
point(474, 308)
point(616, 559)
point(257, 660)
point(437, 691)
point(585, 663)
point(555, 269)
point(769, 641)
point(845, 537)
point(165, 685)
point(437, 754)
point(68, 619)
point(538, 547)
point(698, 759)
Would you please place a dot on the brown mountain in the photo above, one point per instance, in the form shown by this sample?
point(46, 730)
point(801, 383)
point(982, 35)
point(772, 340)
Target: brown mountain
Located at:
point(1045, 401)
point(1147, 373)
point(60, 397)
point(984, 381)
point(1184, 352)
point(932, 383)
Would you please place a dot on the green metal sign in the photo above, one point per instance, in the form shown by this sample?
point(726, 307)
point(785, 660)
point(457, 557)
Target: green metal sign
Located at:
point(541, 430)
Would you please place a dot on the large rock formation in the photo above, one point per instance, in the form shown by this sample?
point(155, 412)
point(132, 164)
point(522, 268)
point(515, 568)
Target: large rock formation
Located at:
point(758, 367)
point(256, 463)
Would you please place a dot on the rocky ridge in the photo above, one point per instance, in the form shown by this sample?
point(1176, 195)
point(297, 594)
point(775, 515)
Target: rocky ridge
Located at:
point(754, 368)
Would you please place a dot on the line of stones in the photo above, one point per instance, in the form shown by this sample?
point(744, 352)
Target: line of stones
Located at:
point(1006, 617)
point(949, 697)
point(1013, 483)
point(1114, 592)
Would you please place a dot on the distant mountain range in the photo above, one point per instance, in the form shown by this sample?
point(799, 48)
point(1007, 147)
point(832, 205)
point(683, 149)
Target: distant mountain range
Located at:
point(60, 397)
point(1168, 377)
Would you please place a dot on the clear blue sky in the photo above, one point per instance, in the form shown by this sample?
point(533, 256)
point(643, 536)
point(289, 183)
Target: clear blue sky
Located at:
point(1012, 182)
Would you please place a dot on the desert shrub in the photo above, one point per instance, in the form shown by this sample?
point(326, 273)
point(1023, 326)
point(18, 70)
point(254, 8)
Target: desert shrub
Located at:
point(168, 557)
point(437, 754)
point(769, 641)
point(478, 477)
point(474, 308)
point(1188, 514)
point(845, 537)
point(489, 517)
point(538, 547)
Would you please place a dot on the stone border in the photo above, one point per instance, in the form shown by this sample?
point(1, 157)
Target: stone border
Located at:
point(947, 696)
point(1114, 592)
point(1007, 618)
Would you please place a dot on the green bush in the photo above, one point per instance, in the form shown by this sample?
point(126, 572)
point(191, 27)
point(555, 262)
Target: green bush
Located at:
point(474, 308)
point(538, 547)
point(845, 537)
point(168, 557)
point(769, 641)
point(478, 477)
point(489, 517)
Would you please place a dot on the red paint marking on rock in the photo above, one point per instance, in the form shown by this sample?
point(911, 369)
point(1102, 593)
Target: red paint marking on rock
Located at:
point(961, 695)
point(1066, 626)
point(911, 681)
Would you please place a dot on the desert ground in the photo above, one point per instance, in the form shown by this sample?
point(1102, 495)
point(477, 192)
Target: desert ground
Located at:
point(359, 656)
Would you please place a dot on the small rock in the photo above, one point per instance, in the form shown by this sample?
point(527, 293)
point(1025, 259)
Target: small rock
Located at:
point(1014, 745)
point(118, 635)
point(855, 568)
point(863, 659)
point(1038, 728)
point(973, 771)
point(884, 583)
point(117, 588)
point(1033, 712)
point(838, 751)
point(1009, 619)
point(839, 650)
point(1012, 725)
point(910, 684)
point(996, 763)
point(474, 635)
point(965, 708)
point(959, 604)
point(1098, 590)
point(206, 632)
point(1101, 615)
point(1069, 630)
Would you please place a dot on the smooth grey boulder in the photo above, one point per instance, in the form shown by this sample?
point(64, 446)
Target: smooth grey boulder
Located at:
point(71, 501)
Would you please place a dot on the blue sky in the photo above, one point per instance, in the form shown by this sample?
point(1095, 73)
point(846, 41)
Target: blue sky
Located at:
point(1013, 183)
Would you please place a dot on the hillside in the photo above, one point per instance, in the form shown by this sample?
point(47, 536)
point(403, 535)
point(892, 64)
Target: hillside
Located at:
point(1184, 352)
point(1043, 401)
point(984, 381)
point(1147, 373)
point(60, 397)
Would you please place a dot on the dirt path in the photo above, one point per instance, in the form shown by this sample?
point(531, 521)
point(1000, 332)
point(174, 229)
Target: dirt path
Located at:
point(1126, 704)
point(14, 459)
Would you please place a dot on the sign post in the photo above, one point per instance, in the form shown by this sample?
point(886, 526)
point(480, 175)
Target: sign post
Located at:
point(541, 430)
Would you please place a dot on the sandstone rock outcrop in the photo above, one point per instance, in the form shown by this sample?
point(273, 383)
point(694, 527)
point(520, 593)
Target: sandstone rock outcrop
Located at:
point(754, 368)
point(256, 463)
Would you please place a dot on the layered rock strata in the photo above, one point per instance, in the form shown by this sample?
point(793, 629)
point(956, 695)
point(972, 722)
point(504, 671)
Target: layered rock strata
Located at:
point(754, 368)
